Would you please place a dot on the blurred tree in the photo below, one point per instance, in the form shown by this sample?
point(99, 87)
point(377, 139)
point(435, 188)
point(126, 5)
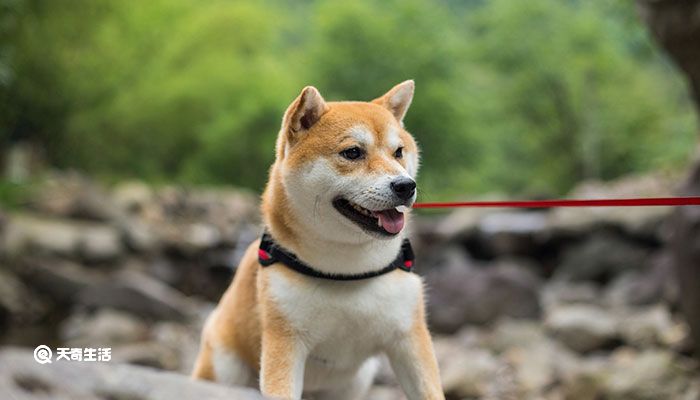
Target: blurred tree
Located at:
point(358, 50)
point(521, 97)
point(677, 28)
point(570, 95)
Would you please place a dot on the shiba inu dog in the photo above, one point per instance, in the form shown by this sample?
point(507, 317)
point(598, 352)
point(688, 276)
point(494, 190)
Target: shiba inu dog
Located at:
point(329, 288)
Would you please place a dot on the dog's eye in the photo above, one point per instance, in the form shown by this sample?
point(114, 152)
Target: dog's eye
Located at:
point(352, 153)
point(399, 153)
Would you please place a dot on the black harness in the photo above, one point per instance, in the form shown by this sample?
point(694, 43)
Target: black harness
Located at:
point(271, 252)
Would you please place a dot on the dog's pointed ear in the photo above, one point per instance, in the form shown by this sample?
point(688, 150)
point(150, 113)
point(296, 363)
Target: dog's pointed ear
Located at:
point(304, 111)
point(398, 99)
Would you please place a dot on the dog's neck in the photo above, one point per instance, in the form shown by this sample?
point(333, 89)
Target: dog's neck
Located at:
point(329, 256)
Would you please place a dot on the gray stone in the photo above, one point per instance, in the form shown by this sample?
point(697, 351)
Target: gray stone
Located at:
point(104, 327)
point(586, 381)
point(139, 236)
point(581, 327)
point(509, 333)
point(22, 378)
point(140, 295)
point(60, 280)
point(647, 327)
point(461, 292)
point(17, 303)
point(601, 257)
point(50, 236)
point(73, 196)
point(538, 361)
point(649, 375)
point(181, 339)
point(133, 196)
point(100, 244)
point(638, 288)
point(148, 354)
point(556, 292)
point(511, 232)
point(459, 223)
point(465, 372)
point(26, 233)
point(637, 221)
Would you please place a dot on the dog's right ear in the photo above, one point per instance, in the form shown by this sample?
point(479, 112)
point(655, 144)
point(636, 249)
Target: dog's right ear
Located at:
point(304, 111)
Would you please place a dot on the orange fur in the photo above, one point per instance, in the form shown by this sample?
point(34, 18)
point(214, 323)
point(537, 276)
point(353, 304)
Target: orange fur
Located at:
point(249, 322)
point(325, 139)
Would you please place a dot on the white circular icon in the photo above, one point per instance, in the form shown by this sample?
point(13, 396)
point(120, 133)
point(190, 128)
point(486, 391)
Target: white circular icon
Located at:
point(43, 354)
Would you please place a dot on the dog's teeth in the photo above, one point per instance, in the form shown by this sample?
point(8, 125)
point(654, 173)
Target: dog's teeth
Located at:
point(361, 209)
point(402, 209)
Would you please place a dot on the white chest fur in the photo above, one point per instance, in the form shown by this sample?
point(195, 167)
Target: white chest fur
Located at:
point(344, 323)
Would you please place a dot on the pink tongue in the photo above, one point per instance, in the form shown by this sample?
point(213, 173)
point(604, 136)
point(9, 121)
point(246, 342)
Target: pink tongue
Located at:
point(390, 220)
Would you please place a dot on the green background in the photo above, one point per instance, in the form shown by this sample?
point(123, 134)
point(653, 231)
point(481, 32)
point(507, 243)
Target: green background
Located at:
point(523, 98)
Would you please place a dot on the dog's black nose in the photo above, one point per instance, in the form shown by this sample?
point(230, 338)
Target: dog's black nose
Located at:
point(404, 188)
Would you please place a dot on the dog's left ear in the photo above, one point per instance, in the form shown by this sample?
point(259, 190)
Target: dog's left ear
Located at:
point(304, 111)
point(398, 99)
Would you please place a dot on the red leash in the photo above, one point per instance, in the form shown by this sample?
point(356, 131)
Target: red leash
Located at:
point(652, 201)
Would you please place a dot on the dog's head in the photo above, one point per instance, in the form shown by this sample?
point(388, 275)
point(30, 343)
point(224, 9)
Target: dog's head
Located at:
point(348, 168)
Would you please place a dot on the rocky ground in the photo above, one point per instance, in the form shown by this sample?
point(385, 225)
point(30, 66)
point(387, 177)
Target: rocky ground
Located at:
point(553, 304)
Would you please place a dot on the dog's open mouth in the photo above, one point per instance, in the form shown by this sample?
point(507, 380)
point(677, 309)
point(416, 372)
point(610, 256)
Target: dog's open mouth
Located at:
point(386, 222)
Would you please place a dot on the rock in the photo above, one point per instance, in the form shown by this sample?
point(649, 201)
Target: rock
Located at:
point(138, 236)
point(181, 340)
point(601, 257)
point(139, 294)
point(538, 361)
point(132, 197)
point(60, 280)
point(642, 222)
point(202, 236)
point(185, 222)
point(556, 293)
point(465, 372)
point(640, 288)
point(489, 233)
point(71, 195)
point(586, 381)
point(509, 333)
point(22, 378)
point(582, 328)
point(648, 327)
point(459, 223)
point(100, 244)
point(651, 374)
point(106, 327)
point(40, 235)
point(461, 292)
point(511, 233)
point(18, 305)
point(148, 354)
point(29, 234)
point(130, 338)
point(639, 222)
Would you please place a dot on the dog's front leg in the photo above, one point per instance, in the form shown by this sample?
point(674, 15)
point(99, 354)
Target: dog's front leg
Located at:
point(282, 364)
point(413, 360)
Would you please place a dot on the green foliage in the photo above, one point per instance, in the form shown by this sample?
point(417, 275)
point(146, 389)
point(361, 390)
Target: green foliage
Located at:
point(520, 97)
point(14, 195)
